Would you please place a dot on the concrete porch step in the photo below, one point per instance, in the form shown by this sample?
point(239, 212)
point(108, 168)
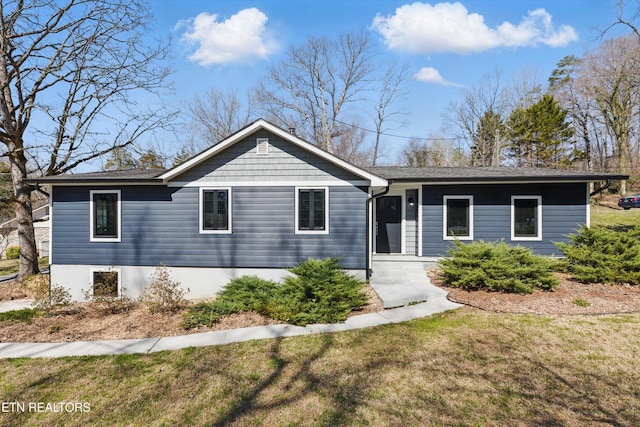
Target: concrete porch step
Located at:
point(400, 282)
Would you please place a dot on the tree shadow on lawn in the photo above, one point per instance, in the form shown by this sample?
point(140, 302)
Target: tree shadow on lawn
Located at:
point(345, 395)
point(620, 228)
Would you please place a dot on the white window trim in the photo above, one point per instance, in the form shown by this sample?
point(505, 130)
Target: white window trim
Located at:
point(588, 206)
point(326, 210)
point(420, 220)
point(92, 236)
point(445, 236)
point(538, 219)
point(117, 270)
point(201, 229)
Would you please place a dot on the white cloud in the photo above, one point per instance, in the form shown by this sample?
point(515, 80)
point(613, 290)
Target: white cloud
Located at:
point(240, 38)
point(431, 75)
point(449, 27)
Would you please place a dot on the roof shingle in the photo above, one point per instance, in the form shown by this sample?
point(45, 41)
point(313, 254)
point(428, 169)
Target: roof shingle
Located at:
point(466, 174)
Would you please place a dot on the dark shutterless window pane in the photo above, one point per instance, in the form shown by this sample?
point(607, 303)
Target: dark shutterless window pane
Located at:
point(106, 215)
point(215, 210)
point(311, 210)
point(304, 202)
point(458, 217)
point(105, 283)
point(208, 222)
point(318, 210)
point(222, 210)
point(525, 217)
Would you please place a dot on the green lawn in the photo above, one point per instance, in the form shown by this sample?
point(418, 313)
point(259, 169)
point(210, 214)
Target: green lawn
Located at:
point(10, 266)
point(464, 367)
point(601, 215)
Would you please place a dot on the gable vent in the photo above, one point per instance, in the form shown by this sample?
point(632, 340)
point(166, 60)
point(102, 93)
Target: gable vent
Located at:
point(262, 147)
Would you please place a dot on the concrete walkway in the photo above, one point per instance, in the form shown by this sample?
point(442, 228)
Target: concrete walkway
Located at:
point(398, 283)
point(16, 304)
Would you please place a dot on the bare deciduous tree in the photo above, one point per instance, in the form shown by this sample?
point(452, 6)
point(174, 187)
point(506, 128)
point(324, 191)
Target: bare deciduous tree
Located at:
point(392, 87)
point(468, 118)
point(565, 86)
point(311, 87)
point(217, 115)
point(435, 151)
point(612, 77)
point(351, 145)
point(70, 75)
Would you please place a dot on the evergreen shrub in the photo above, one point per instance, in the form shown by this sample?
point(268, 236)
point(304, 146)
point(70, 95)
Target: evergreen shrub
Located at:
point(603, 255)
point(321, 292)
point(245, 293)
point(497, 267)
point(200, 314)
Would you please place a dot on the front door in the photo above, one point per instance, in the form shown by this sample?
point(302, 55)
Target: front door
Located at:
point(389, 224)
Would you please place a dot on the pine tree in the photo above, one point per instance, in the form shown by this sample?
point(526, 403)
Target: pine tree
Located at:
point(486, 147)
point(540, 135)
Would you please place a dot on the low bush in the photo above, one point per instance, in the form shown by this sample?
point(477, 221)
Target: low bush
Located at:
point(321, 292)
point(244, 294)
point(13, 252)
point(36, 285)
point(163, 294)
point(497, 267)
point(106, 305)
point(50, 299)
point(603, 255)
point(201, 314)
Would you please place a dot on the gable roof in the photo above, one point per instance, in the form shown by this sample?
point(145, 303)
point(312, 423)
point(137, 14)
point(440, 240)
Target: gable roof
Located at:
point(261, 124)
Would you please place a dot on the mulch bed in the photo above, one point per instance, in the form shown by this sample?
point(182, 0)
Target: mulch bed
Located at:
point(570, 297)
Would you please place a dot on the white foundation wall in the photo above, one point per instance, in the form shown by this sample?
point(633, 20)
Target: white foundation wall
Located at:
point(201, 282)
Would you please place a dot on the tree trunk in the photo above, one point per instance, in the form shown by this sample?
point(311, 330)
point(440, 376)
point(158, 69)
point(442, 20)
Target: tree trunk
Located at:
point(24, 215)
point(375, 148)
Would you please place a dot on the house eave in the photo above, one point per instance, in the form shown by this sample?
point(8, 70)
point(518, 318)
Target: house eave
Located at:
point(94, 182)
point(477, 175)
point(507, 180)
point(106, 178)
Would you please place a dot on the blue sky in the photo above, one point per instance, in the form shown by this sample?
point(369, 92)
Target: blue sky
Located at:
point(229, 44)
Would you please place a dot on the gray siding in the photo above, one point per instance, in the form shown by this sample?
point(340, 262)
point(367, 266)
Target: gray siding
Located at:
point(160, 224)
point(285, 162)
point(563, 211)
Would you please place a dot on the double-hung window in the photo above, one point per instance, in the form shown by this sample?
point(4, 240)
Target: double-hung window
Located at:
point(105, 215)
point(312, 210)
point(526, 217)
point(215, 210)
point(458, 217)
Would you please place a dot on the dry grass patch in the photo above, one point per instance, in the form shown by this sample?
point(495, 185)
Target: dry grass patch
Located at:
point(465, 367)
